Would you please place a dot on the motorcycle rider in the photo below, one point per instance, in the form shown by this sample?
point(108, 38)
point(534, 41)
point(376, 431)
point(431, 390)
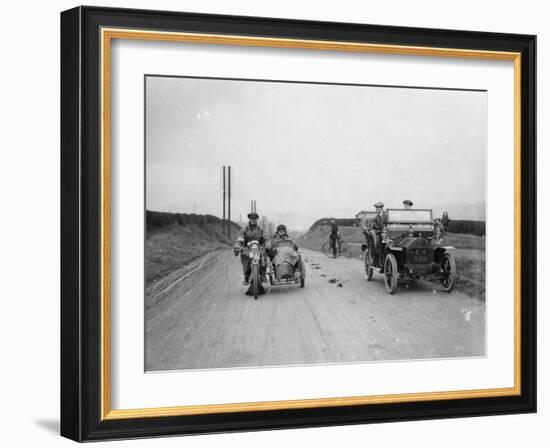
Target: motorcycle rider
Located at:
point(251, 232)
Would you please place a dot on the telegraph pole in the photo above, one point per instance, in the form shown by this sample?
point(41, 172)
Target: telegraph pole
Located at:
point(229, 201)
point(223, 195)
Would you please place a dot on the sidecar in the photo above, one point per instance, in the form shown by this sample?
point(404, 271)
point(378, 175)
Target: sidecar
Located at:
point(286, 267)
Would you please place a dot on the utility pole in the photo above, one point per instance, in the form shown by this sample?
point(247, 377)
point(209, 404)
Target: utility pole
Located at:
point(229, 201)
point(223, 196)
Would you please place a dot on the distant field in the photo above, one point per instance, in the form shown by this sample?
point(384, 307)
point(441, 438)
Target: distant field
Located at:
point(469, 254)
point(314, 239)
point(462, 241)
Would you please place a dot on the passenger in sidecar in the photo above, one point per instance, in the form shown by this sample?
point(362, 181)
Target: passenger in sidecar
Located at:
point(284, 263)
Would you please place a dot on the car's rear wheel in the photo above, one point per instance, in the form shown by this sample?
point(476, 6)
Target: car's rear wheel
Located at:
point(448, 272)
point(368, 263)
point(390, 273)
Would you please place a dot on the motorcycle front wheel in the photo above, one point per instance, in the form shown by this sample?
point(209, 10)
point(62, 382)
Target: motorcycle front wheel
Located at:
point(255, 281)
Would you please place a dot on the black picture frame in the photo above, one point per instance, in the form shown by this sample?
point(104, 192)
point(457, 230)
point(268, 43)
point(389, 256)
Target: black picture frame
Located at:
point(81, 224)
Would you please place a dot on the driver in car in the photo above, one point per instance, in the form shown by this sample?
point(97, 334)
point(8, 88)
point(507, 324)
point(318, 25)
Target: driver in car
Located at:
point(251, 232)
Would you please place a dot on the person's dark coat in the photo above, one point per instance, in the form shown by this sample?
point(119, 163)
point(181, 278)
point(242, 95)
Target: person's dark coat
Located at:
point(250, 233)
point(333, 231)
point(380, 220)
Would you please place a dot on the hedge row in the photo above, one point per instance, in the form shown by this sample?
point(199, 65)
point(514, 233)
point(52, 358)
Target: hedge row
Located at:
point(467, 226)
point(455, 226)
point(156, 220)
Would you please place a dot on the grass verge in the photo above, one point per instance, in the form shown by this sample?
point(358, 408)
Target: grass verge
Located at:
point(170, 248)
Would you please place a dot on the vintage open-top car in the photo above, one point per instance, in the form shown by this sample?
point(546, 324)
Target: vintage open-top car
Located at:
point(410, 248)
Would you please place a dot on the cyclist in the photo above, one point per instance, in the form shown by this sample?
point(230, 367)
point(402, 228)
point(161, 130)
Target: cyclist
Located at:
point(334, 237)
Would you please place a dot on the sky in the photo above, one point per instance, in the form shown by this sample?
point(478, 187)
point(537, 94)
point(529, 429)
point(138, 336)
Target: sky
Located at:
point(306, 151)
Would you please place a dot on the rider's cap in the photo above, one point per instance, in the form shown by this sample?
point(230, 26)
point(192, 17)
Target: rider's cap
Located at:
point(253, 215)
point(281, 227)
point(379, 205)
point(408, 202)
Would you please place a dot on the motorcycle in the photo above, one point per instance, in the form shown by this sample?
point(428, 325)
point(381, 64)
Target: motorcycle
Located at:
point(256, 260)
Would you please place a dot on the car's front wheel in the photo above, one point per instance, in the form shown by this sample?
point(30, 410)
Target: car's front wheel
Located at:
point(390, 273)
point(448, 272)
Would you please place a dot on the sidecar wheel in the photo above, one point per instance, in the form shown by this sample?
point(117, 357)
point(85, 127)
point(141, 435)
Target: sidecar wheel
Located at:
point(267, 287)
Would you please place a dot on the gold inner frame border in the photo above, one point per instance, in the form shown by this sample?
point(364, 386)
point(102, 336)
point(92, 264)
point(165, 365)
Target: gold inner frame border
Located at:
point(107, 35)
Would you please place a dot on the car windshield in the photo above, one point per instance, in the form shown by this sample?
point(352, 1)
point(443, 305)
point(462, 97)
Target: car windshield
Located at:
point(365, 216)
point(409, 216)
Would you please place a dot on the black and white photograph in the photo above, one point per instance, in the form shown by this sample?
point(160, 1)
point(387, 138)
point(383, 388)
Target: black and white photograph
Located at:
point(302, 223)
point(283, 220)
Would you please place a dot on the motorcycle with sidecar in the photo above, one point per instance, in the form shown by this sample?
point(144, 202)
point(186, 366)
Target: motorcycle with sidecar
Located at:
point(284, 265)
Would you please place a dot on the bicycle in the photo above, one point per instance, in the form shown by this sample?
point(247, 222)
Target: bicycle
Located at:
point(342, 249)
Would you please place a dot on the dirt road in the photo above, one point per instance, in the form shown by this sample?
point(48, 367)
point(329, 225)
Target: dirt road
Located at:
point(205, 321)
